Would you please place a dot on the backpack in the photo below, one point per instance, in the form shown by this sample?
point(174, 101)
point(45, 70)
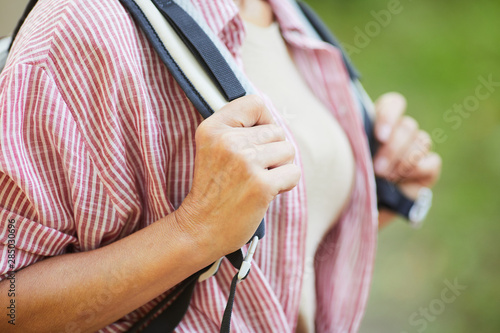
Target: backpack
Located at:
point(203, 68)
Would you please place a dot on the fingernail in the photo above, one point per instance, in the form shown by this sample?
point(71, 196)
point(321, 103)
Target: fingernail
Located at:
point(384, 133)
point(381, 165)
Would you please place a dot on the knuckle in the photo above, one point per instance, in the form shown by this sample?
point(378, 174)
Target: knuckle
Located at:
point(293, 177)
point(409, 124)
point(278, 131)
point(290, 151)
point(264, 134)
point(233, 142)
point(424, 135)
point(425, 139)
point(388, 151)
point(404, 169)
point(249, 155)
point(415, 156)
point(261, 186)
point(256, 102)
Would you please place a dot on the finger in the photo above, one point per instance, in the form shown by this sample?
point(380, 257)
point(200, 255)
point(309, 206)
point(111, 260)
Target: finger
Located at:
point(275, 154)
point(262, 134)
point(390, 153)
point(246, 111)
point(283, 178)
point(427, 171)
point(388, 108)
point(412, 157)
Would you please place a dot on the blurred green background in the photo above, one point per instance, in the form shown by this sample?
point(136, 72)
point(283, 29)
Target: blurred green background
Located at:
point(434, 52)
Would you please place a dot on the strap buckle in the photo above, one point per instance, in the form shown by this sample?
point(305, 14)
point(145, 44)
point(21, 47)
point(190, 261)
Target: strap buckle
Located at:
point(245, 265)
point(421, 207)
point(247, 262)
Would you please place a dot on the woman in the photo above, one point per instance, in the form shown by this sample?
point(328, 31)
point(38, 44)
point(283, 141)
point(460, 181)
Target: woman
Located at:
point(113, 179)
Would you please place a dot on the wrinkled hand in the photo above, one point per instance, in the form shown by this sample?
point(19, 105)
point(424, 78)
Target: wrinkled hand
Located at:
point(242, 163)
point(405, 155)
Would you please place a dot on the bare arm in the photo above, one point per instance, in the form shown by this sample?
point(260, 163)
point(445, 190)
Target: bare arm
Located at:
point(103, 285)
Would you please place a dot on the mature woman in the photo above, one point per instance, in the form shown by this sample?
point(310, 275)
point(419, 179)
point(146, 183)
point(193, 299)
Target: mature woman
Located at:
point(118, 190)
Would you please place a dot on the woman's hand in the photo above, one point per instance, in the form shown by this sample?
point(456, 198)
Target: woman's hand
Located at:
point(405, 155)
point(242, 163)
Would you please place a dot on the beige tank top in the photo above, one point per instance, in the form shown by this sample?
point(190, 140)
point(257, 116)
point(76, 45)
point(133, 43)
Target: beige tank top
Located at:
point(328, 163)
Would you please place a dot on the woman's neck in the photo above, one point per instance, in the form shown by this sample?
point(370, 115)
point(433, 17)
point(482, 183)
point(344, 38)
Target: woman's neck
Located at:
point(258, 12)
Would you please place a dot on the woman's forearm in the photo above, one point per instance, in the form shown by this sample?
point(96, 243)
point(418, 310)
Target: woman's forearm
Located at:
point(89, 290)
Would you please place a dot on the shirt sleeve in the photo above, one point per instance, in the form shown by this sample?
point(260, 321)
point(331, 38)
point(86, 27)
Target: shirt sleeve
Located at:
point(39, 161)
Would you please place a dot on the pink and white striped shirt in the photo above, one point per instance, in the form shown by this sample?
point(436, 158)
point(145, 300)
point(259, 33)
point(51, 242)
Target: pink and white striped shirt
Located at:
point(97, 142)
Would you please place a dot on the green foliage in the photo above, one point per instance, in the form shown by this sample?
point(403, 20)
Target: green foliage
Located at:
point(434, 52)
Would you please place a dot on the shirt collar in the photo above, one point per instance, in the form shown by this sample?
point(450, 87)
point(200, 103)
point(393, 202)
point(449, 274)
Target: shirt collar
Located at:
point(217, 13)
point(222, 16)
point(288, 19)
point(293, 27)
